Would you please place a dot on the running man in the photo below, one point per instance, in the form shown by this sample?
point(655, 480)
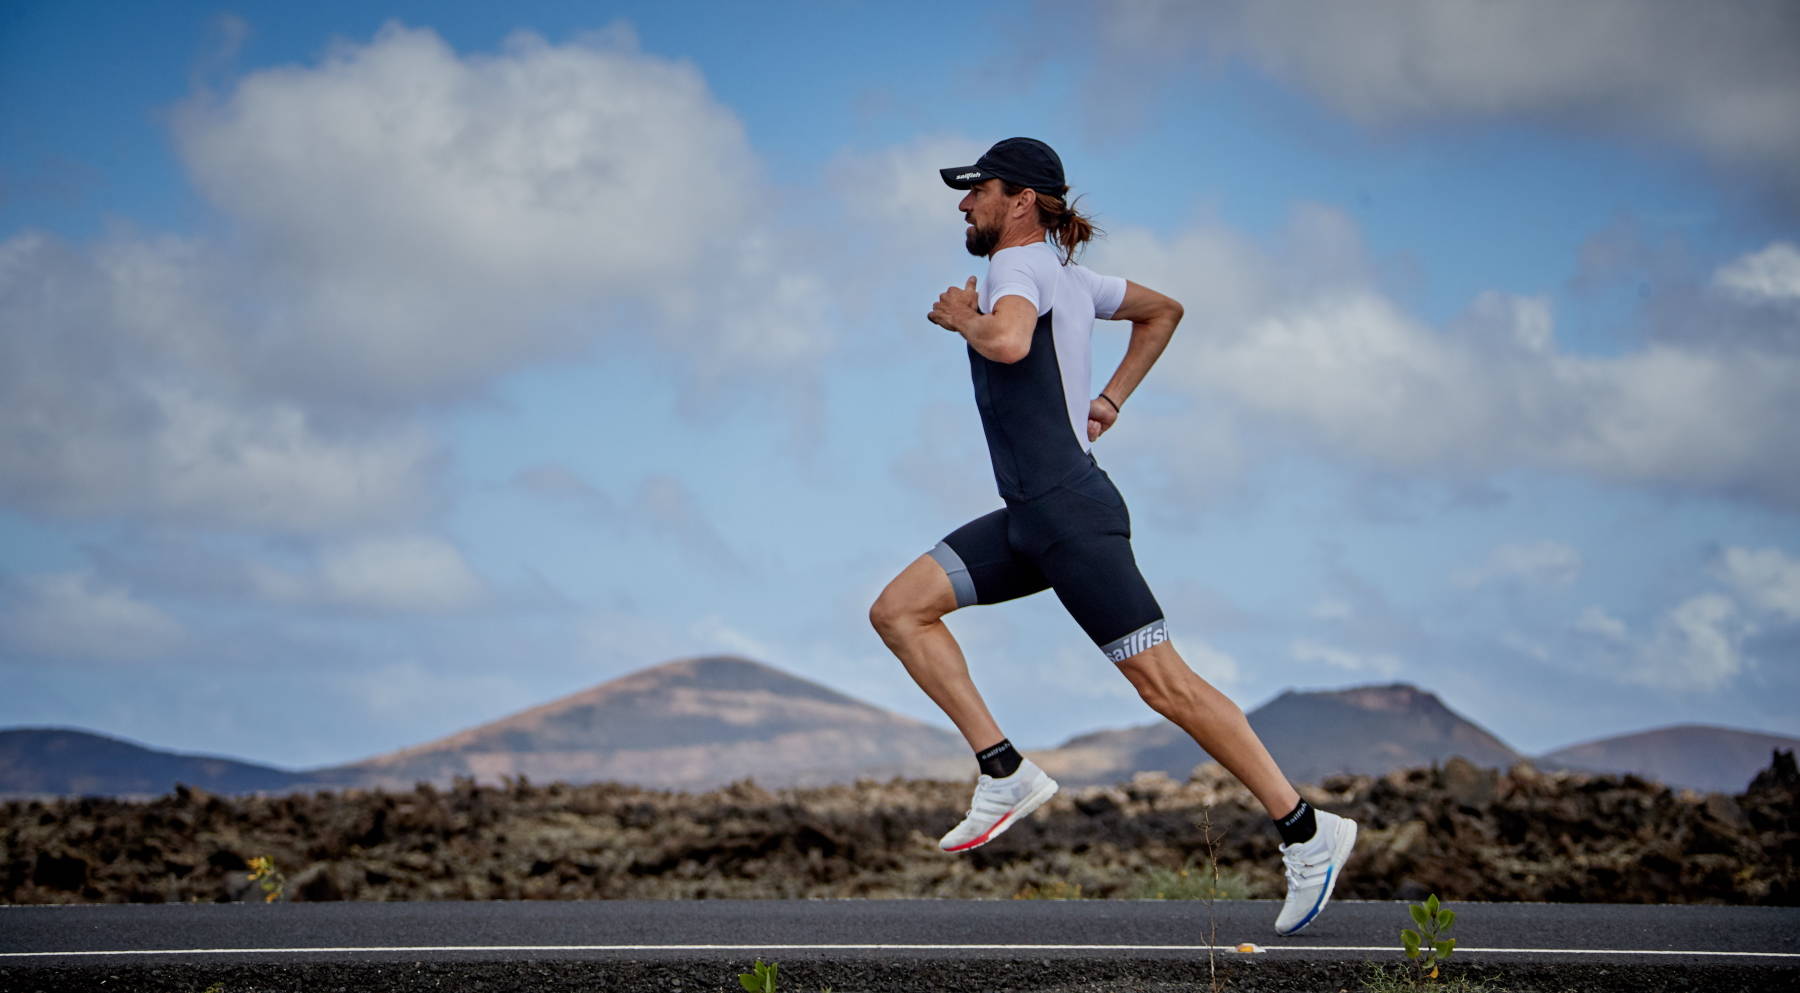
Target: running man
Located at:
point(1064, 525)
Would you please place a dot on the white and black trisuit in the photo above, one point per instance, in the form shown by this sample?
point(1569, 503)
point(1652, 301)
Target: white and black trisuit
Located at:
point(1064, 526)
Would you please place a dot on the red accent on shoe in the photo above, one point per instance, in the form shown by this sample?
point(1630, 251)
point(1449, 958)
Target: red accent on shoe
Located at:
point(989, 833)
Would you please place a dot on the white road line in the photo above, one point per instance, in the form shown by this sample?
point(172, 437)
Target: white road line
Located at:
point(1230, 949)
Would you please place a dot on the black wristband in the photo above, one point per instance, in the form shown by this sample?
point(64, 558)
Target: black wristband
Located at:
point(1109, 400)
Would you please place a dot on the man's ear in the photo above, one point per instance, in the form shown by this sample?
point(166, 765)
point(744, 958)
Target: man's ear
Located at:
point(1028, 200)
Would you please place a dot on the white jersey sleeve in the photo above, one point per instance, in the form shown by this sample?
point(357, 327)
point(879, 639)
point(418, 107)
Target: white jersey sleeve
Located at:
point(1108, 292)
point(1015, 272)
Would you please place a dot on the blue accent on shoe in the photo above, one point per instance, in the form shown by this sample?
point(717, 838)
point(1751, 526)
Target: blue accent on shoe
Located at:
point(1314, 912)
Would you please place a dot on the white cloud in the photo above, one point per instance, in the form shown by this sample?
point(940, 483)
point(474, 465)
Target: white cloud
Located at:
point(1526, 645)
point(1769, 276)
point(1599, 624)
point(1540, 563)
point(269, 466)
point(897, 190)
point(432, 218)
point(407, 225)
point(1767, 578)
point(715, 634)
point(411, 573)
point(76, 616)
point(1297, 338)
point(1719, 77)
point(117, 402)
point(1377, 663)
point(1697, 647)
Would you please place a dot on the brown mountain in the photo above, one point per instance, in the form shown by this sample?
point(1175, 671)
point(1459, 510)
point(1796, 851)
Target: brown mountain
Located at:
point(1698, 756)
point(691, 724)
point(1368, 729)
point(703, 722)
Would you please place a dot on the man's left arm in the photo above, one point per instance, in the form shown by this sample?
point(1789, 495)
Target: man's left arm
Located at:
point(1153, 317)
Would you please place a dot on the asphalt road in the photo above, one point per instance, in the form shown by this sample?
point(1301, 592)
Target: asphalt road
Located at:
point(869, 945)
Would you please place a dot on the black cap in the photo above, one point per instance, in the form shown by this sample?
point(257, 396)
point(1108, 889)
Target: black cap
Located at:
point(1019, 161)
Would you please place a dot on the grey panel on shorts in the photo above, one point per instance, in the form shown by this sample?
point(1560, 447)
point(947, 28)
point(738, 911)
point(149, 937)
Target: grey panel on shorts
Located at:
point(1150, 635)
point(960, 581)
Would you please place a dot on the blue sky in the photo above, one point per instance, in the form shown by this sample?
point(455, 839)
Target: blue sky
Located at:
point(377, 370)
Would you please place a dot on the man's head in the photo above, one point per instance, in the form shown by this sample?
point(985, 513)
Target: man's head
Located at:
point(1016, 196)
point(995, 215)
point(1019, 161)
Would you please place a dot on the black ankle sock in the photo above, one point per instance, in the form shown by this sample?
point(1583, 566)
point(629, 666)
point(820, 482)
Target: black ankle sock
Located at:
point(1299, 825)
point(1000, 761)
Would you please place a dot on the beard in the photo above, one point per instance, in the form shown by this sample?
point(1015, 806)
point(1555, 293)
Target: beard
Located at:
point(981, 241)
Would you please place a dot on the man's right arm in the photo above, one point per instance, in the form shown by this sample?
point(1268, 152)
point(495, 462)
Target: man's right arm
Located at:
point(1153, 318)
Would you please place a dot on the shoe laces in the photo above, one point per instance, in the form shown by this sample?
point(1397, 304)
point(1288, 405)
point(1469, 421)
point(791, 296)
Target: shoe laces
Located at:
point(1299, 869)
point(989, 800)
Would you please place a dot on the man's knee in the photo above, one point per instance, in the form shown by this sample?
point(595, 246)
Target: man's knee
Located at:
point(887, 614)
point(895, 612)
point(1163, 680)
point(917, 597)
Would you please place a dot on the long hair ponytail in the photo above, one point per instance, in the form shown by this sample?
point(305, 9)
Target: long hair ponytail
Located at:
point(1068, 227)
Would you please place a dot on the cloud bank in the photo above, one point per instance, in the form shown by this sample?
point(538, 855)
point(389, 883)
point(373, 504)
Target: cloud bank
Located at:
point(1719, 78)
point(401, 226)
point(1302, 340)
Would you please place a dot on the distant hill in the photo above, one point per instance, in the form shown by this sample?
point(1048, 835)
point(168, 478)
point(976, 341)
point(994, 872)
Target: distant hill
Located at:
point(691, 724)
point(1698, 756)
point(1368, 729)
point(703, 722)
point(65, 761)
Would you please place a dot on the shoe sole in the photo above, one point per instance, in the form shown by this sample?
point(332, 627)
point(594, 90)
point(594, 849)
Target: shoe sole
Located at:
point(1340, 856)
point(1030, 803)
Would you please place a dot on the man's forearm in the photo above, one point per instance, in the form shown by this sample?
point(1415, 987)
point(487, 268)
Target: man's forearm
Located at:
point(1148, 339)
point(985, 334)
point(1001, 336)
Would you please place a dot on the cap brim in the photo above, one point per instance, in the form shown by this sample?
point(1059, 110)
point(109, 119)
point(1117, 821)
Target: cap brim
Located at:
point(963, 177)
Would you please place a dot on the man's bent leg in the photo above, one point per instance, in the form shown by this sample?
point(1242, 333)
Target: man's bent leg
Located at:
point(909, 614)
point(909, 617)
point(1311, 864)
point(1215, 723)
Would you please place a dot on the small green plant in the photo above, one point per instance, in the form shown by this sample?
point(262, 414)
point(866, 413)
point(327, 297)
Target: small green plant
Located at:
point(1193, 881)
point(1056, 889)
point(760, 978)
point(1401, 979)
point(272, 880)
point(1428, 945)
point(214, 988)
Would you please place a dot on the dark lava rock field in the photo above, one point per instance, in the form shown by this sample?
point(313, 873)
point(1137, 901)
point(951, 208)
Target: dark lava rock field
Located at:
point(1459, 831)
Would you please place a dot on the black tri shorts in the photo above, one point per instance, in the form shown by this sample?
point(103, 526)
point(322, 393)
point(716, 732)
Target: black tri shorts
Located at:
point(1076, 540)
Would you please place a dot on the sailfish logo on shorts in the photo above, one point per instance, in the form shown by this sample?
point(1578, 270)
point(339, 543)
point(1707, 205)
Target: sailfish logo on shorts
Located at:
point(1149, 636)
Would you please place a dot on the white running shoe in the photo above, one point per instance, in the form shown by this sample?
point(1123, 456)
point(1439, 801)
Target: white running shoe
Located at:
point(1312, 870)
point(998, 805)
